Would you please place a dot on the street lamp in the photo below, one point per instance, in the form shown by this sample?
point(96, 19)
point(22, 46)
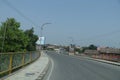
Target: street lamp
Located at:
point(41, 28)
point(41, 39)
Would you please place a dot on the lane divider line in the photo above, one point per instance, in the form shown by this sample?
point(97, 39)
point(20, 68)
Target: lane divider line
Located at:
point(52, 67)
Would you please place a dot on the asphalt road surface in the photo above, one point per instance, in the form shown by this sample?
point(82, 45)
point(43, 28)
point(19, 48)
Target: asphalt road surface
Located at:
point(64, 67)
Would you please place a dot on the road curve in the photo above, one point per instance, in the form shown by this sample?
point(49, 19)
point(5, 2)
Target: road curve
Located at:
point(66, 67)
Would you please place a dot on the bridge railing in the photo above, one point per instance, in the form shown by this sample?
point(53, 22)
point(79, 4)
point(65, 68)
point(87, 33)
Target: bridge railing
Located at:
point(10, 62)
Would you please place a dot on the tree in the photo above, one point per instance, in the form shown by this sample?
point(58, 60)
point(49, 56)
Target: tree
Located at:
point(84, 48)
point(32, 39)
point(14, 38)
point(92, 47)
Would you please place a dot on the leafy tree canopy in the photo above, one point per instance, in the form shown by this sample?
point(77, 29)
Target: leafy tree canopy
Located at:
point(33, 38)
point(92, 47)
point(12, 38)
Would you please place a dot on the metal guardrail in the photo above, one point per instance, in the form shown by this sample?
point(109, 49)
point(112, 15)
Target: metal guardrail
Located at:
point(9, 62)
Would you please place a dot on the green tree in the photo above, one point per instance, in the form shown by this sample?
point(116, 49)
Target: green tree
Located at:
point(84, 48)
point(78, 50)
point(92, 47)
point(14, 38)
point(32, 39)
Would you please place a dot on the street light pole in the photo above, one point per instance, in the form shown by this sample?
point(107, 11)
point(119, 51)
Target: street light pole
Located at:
point(41, 33)
point(41, 28)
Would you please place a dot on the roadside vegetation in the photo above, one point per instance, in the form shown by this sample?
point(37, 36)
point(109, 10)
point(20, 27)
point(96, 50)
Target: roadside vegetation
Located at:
point(14, 39)
point(90, 47)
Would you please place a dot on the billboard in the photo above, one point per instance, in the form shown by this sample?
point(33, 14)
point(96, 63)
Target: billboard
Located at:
point(41, 41)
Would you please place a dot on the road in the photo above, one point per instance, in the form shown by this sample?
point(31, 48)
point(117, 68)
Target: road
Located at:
point(66, 67)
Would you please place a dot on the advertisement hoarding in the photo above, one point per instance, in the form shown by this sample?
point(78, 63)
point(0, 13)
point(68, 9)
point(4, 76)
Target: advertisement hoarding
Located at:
point(41, 41)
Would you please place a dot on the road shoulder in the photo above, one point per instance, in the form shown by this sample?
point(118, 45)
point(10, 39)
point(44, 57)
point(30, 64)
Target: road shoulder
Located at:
point(104, 61)
point(34, 71)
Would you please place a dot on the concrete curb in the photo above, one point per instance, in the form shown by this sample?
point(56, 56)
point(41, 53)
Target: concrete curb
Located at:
point(44, 72)
point(104, 61)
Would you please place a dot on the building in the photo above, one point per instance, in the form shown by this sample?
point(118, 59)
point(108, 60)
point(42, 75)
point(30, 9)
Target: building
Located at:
point(112, 54)
point(91, 52)
point(109, 53)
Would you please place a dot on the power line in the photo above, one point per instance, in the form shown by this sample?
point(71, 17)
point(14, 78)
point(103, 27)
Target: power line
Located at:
point(18, 11)
point(101, 35)
point(107, 34)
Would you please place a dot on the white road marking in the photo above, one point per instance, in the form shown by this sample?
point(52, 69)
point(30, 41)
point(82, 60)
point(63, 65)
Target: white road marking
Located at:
point(52, 67)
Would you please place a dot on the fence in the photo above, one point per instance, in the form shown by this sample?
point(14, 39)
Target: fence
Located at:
point(10, 62)
point(110, 57)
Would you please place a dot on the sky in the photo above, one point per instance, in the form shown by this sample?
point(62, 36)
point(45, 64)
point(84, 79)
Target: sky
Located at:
point(82, 22)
